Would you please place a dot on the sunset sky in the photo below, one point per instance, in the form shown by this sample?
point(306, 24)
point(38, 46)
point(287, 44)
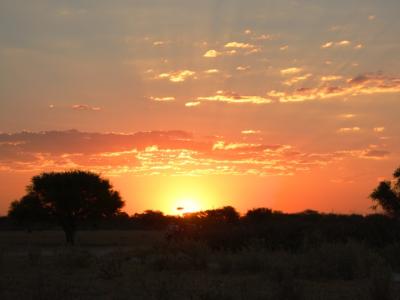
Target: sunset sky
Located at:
point(289, 104)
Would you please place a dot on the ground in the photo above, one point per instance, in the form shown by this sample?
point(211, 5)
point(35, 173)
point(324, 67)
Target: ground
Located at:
point(142, 265)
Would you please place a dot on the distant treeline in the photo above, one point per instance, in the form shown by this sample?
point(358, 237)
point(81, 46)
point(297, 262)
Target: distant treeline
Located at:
point(226, 228)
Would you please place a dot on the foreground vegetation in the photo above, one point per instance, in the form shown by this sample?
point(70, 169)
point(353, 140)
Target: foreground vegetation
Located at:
point(143, 265)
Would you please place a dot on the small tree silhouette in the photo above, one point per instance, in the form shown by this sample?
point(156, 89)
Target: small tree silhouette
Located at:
point(28, 210)
point(68, 197)
point(387, 195)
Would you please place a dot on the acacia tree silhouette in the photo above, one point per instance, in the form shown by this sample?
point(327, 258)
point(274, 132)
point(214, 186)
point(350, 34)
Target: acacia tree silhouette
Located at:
point(28, 210)
point(387, 195)
point(69, 197)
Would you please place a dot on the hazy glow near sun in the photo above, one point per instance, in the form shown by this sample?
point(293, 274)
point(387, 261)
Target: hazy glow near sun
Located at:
point(187, 205)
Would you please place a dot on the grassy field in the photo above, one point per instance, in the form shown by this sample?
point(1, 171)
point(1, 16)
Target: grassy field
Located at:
point(141, 265)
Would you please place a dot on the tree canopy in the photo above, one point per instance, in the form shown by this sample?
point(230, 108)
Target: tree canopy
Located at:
point(387, 195)
point(68, 197)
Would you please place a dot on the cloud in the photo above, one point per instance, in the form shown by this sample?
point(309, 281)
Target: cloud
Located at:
point(379, 129)
point(297, 79)
point(284, 48)
point(375, 154)
point(327, 45)
point(160, 43)
point(347, 116)
point(262, 37)
point(253, 51)
point(290, 71)
point(192, 104)
point(239, 45)
point(233, 48)
point(371, 17)
point(250, 131)
point(211, 71)
point(242, 68)
point(364, 84)
point(162, 99)
point(178, 76)
point(235, 98)
point(83, 107)
point(212, 53)
point(349, 129)
point(343, 43)
point(331, 78)
point(161, 152)
point(331, 44)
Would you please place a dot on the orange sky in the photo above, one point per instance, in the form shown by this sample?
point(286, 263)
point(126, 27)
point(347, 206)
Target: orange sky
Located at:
point(285, 104)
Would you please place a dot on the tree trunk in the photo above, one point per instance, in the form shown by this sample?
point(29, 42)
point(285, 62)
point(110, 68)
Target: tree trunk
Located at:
point(69, 230)
point(69, 236)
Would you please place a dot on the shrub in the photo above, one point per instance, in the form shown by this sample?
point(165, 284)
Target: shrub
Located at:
point(74, 258)
point(110, 268)
point(34, 256)
point(338, 261)
point(380, 282)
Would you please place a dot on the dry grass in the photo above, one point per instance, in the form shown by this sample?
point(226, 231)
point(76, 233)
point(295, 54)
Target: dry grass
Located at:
point(140, 265)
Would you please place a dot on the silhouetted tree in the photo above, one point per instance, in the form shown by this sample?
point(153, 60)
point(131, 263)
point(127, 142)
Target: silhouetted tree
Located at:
point(387, 195)
point(151, 219)
point(70, 197)
point(28, 210)
point(258, 214)
point(226, 214)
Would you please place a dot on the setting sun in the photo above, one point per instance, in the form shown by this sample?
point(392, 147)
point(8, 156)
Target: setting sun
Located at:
point(187, 205)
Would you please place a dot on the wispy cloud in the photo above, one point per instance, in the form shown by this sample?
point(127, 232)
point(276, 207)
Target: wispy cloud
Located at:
point(160, 43)
point(365, 84)
point(178, 76)
point(192, 103)
point(349, 129)
point(331, 78)
point(290, 71)
point(239, 45)
point(234, 98)
point(284, 48)
point(250, 131)
point(297, 79)
point(212, 53)
point(347, 116)
point(161, 152)
point(212, 71)
point(379, 129)
point(331, 44)
point(83, 107)
point(242, 68)
point(162, 99)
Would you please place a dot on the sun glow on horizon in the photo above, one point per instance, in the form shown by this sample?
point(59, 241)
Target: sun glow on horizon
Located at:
point(186, 194)
point(187, 205)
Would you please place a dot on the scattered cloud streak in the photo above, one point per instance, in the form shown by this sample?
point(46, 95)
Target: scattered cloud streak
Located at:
point(234, 98)
point(160, 153)
point(83, 107)
point(178, 76)
point(290, 71)
point(212, 53)
point(365, 84)
point(349, 129)
point(342, 43)
point(162, 99)
point(239, 45)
